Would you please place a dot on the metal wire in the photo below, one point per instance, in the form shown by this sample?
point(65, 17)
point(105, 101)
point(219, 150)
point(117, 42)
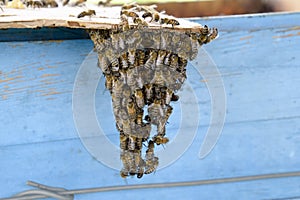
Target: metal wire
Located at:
point(64, 194)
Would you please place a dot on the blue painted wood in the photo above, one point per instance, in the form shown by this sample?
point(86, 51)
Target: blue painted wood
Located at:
point(42, 34)
point(258, 57)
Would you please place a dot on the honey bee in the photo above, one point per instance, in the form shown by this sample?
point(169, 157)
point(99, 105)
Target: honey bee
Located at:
point(141, 23)
point(167, 58)
point(148, 93)
point(34, 3)
point(129, 6)
point(140, 79)
point(212, 35)
point(159, 78)
point(150, 150)
point(117, 90)
point(141, 58)
point(123, 76)
point(115, 41)
point(151, 161)
point(155, 111)
point(78, 2)
point(203, 35)
point(168, 96)
point(181, 77)
point(147, 14)
point(139, 143)
point(126, 93)
point(86, 13)
point(166, 41)
point(140, 164)
point(124, 22)
point(205, 30)
point(169, 110)
point(161, 129)
point(160, 57)
point(131, 57)
point(51, 3)
point(131, 78)
point(109, 82)
point(158, 139)
point(116, 109)
point(156, 17)
point(153, 15)
point(132, 39)
point(127, 160)
point(129, 13)
point(123, 141)
point(65, 2)
point(139, 98)
point(174, 62)
point(126, 126)
point(113, 60)
point(151, 165)
point(140, 171)
point(173, 22)
point(145, 132)
point(139, 117)
point(131, 109)
point(123, 61)
point(150, 63)
point(158, 94)
point(104, 3)
point(131, 142)
point(124, 172)
point(182, 63)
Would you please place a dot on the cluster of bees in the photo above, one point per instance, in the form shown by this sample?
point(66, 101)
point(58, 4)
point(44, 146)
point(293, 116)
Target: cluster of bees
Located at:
point(40, 3)
point(54, 3)
point(141, 15)
point(143, 69)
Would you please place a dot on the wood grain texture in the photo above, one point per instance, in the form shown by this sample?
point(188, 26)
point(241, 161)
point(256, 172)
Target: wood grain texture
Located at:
point(258, 57)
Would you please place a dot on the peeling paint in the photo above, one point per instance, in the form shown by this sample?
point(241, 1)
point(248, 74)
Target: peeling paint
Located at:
point(4, 97)
point(47, 75)
point(51, 98)
point(284, 36)
point(289, 29)
point(10, 79)
point(51, 92)
point(246, 37)
point(50, 66)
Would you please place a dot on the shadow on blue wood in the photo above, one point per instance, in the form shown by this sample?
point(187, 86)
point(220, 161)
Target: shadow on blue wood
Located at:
point(258, 57)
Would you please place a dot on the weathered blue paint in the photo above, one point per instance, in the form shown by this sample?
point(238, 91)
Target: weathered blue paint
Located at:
point(258, 57)
point(61, 33)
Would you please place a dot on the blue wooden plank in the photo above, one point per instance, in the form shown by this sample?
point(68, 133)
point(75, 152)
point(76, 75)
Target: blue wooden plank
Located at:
point(68, 164)
point(42, 34)
point(259, 67)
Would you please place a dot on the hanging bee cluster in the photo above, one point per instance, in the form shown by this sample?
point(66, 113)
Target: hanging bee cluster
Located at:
point(143, 69)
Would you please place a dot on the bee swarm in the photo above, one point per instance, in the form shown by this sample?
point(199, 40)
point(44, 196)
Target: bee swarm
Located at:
point(144, 68)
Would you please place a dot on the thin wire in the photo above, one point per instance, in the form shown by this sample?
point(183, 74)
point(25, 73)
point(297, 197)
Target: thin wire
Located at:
point(166, 185)
point(45, 187)
point(28, 194)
